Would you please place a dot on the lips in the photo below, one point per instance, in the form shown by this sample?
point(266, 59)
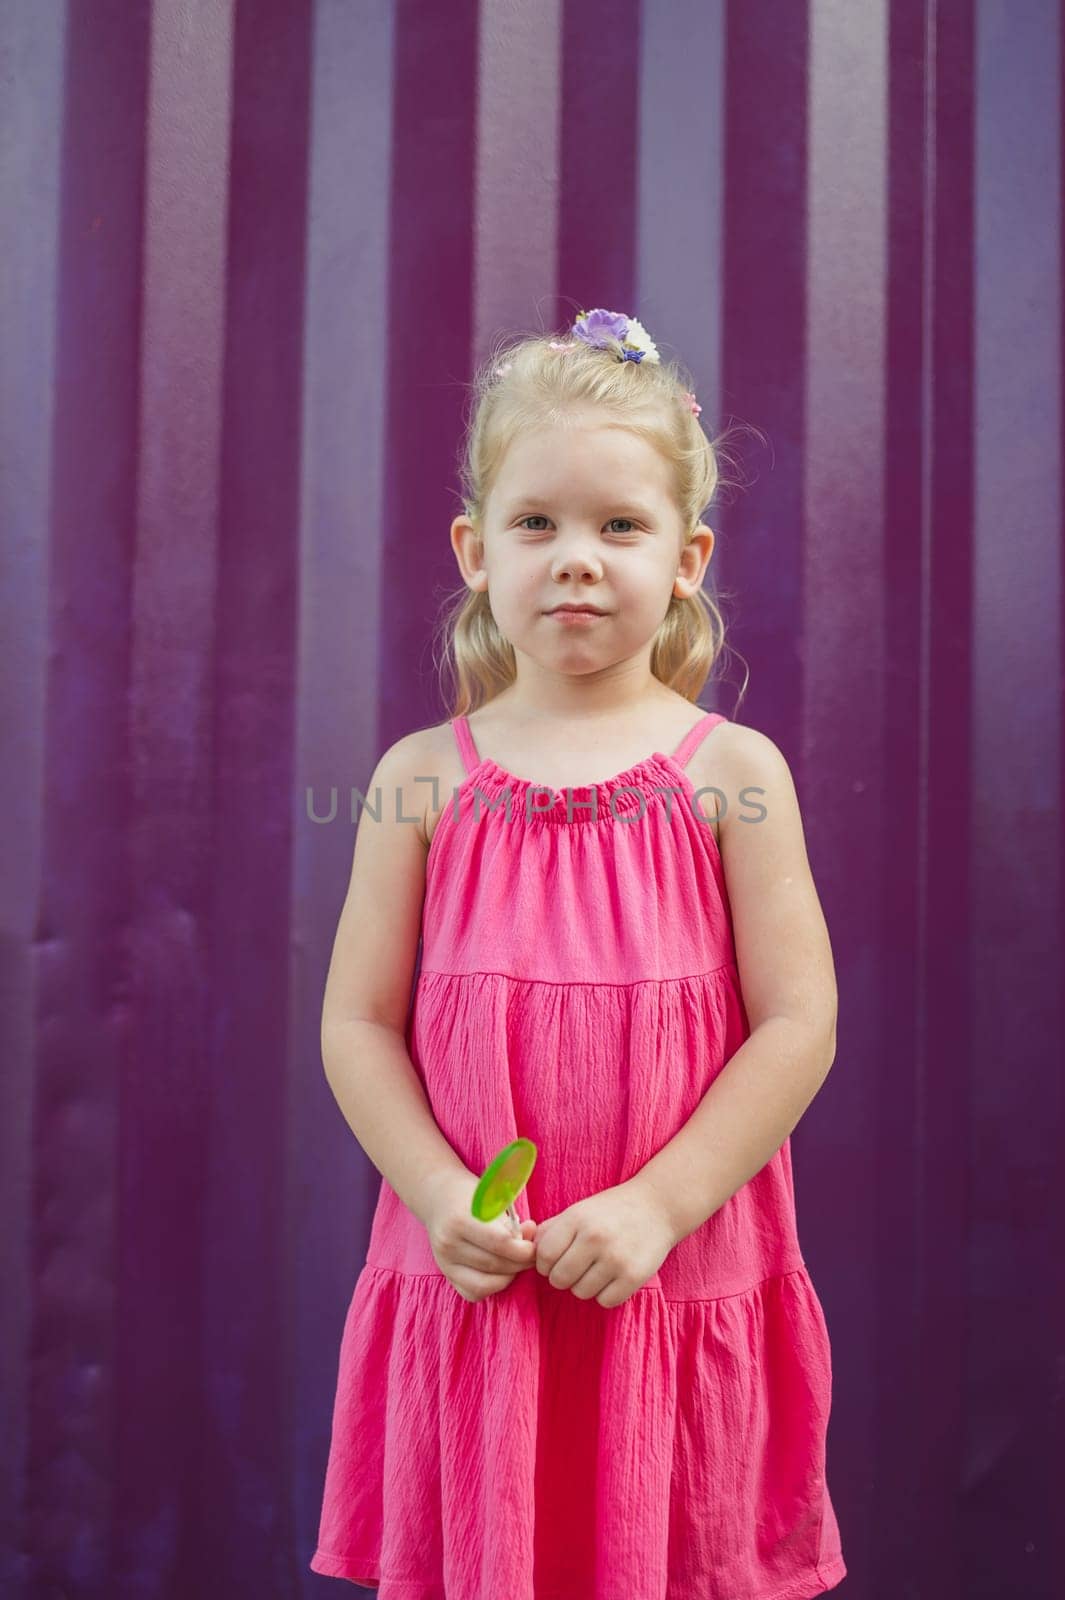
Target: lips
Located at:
point(590, 611)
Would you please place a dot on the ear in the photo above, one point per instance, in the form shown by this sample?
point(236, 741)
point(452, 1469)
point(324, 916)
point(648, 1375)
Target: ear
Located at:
point(469, 552)
point(694, 560)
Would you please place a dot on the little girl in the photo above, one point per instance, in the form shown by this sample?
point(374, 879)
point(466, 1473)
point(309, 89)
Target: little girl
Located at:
point(630, 1400)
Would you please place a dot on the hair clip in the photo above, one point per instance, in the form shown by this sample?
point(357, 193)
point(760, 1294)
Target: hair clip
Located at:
point(600, 328)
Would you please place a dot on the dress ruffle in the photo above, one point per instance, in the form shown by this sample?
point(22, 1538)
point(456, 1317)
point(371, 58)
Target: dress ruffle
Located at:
point(534, 1446)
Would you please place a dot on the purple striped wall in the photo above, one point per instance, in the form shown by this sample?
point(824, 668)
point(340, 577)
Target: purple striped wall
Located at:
point(250, 254)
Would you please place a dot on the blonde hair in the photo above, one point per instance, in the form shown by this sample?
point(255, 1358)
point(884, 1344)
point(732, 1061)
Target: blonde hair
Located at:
point(528, 382)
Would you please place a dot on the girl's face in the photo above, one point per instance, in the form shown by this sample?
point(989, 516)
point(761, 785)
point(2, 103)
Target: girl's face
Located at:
point(581, 515)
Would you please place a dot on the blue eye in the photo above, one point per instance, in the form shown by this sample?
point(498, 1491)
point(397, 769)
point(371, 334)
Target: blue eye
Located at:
point(537, 516)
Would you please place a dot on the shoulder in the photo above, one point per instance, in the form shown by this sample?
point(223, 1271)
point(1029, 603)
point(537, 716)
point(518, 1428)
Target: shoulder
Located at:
point(400, 761)
point(762, 837)
point(732, 757)
point(748, 757)
point(399, 776)
point(758, 786)
point(422, 765)
point(784, 952)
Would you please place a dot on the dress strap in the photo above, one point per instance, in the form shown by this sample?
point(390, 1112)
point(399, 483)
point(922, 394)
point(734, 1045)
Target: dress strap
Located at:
point(464, 740)
point(695, 736)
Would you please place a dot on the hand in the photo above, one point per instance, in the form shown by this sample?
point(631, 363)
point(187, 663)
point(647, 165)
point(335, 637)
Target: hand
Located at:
point(477, 1258)
point(605, 1246)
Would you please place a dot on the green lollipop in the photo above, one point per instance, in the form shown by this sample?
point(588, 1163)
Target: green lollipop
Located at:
point(502, 1180)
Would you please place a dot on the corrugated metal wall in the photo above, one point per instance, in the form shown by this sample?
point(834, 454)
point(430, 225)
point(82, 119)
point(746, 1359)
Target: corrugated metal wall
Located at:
point(250, 253)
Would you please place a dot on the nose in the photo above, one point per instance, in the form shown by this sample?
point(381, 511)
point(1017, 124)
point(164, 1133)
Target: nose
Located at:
point(576, 565)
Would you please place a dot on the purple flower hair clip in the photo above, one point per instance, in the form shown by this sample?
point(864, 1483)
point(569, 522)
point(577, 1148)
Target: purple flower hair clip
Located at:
point(600, 328)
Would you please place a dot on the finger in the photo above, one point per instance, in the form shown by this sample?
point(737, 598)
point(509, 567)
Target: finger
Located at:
point(480, 1284)
point(495, 1236)
point(511, 1254)
point(480, 1260)
point(516, 1246)
point(506, 1246)
point(567, 1269)
point(547, 1260)
point(592, 1283)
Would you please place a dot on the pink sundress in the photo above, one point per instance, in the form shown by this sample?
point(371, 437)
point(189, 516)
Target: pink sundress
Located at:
point(578, 986)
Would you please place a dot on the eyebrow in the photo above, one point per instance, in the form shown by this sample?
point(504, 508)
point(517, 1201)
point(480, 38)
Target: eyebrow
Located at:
point(620, 506)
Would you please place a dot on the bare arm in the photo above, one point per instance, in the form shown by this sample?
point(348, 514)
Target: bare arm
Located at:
point(788, 982)
point(367, 992)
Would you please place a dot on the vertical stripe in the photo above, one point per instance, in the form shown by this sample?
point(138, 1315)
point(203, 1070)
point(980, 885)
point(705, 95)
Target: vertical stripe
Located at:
point(31, 120)
point(841, 623)
point(763, 382)
point(599, 145)
point(429, 320)
point(346, 364)
point(80, 953)
point(1015, 939)
point(680, 196)
point(893, 949)
point(166, 1087)
point(517, 170)
point(943, 667)
point(244, 1421)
